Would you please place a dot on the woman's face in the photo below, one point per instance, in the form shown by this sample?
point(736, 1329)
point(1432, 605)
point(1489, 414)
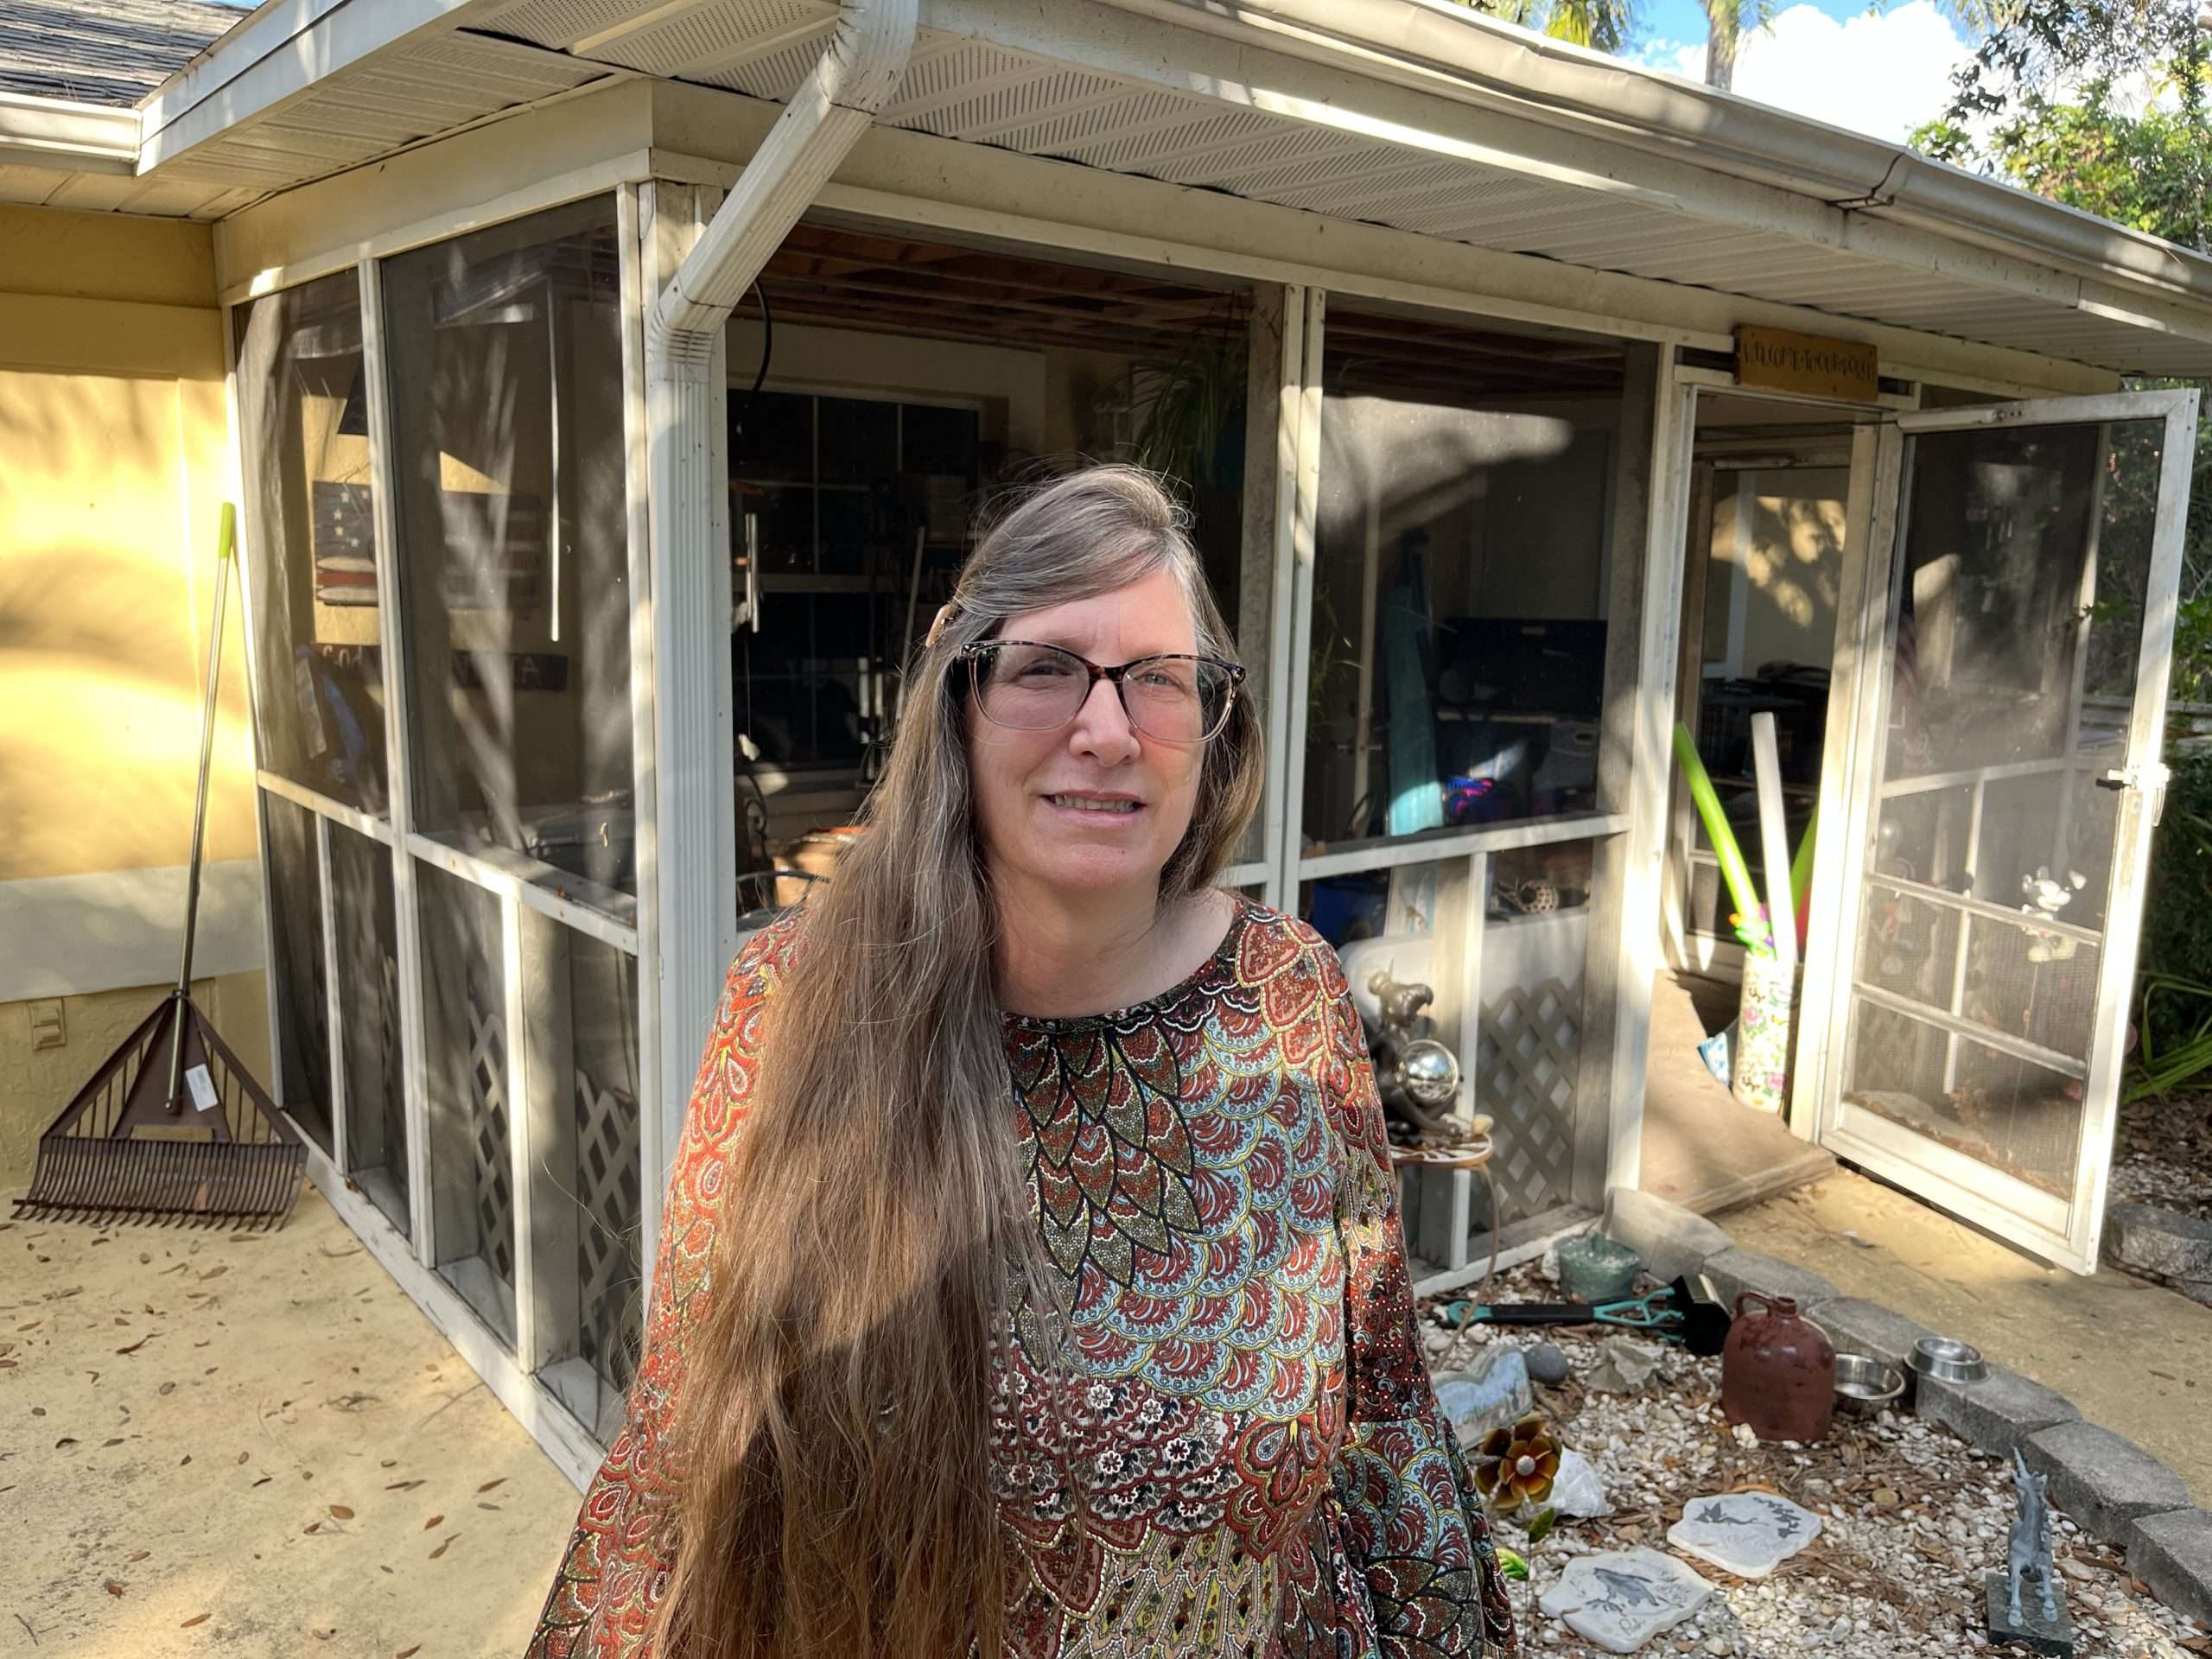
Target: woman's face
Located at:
point(1032, 788)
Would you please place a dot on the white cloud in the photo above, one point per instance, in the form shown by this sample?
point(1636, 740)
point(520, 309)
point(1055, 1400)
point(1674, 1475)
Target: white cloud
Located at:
point(1879, 73)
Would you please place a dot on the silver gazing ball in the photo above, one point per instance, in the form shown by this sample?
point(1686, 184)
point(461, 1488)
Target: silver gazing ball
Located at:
point(1428, 1071)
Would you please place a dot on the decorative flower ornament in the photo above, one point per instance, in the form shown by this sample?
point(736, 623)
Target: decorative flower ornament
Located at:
point(1515, 1466)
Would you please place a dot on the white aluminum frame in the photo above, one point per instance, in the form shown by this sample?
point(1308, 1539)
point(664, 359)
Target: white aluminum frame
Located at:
point(515, 882)
point(407, 916)
point(1294, 592)
point(2063, 1231)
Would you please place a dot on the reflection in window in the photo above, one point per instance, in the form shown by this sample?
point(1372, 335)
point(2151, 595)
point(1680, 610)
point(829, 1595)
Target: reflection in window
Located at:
point(311, 557)
point(1460, 579)
point(506, 374)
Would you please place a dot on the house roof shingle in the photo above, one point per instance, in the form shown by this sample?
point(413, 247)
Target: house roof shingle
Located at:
point(111, 52)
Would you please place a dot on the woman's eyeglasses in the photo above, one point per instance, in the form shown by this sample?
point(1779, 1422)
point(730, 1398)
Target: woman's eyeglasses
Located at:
point(1032, 688)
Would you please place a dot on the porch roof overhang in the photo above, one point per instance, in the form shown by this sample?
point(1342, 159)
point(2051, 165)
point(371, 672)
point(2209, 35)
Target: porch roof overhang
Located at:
point(1415, 115)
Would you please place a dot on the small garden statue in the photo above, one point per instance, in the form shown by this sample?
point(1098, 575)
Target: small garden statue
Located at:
point(2028, 1555)
point(1417, 1076)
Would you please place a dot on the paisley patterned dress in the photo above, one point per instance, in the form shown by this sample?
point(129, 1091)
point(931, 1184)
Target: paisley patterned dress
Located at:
point(1263, 1466)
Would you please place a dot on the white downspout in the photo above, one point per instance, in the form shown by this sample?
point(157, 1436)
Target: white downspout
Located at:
point(693, 881)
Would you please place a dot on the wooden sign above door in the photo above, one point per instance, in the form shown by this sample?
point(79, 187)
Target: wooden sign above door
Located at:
point(1811, 365)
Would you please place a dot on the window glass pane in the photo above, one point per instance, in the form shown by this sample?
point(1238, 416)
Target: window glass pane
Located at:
point(839, 500)
point(506, 352)
point(940, 442)
point(368, 1019)
point(296, 940)
point(784, 524)
point(860, 440)
point(582, 1001)
point(311, 552)
point(1460, 581)
point(853, 532)
point(465, 1068)
point(771, 437)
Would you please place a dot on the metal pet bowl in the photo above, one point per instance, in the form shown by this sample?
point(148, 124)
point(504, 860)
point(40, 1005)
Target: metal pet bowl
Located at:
point(1949, 1360)
point(1864, 1384)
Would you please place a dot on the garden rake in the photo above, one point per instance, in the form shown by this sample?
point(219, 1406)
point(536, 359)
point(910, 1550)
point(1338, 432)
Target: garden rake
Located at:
point(173, 1127)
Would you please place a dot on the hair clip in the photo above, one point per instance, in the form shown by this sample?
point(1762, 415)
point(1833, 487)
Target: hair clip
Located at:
point(937, 628)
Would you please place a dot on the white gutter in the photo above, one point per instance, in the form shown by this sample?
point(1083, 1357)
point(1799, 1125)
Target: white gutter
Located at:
point(62, 135)
point(693, 915)
point(1454, 52)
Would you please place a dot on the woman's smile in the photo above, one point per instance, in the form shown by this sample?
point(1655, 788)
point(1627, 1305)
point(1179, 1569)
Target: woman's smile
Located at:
point(1094, 804)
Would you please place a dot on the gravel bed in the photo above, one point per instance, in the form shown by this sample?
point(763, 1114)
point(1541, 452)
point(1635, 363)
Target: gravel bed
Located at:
point(1912, 1517)
point(2162, 1154)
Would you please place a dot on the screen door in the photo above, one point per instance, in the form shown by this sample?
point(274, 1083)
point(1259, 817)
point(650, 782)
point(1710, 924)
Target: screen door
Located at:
point(2008, 663)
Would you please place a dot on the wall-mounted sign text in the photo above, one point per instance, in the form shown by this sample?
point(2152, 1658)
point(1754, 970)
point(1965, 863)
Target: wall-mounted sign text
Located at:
point(1809, 365)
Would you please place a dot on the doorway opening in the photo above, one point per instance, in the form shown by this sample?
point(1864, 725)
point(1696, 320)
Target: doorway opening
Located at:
point(1762, 586)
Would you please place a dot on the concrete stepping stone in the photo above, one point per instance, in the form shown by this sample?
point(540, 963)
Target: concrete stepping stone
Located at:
point(1620, 1599)
point(1493, 1392)
point(1749, 1534)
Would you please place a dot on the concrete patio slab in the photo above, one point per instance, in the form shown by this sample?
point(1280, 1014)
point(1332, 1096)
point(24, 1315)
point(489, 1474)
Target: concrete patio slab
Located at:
point(254, 1446)
point(1702, 1150)
point(2129, 1354)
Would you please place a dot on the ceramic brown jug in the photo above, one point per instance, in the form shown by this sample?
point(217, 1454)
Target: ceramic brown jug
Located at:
point(1777, 1371)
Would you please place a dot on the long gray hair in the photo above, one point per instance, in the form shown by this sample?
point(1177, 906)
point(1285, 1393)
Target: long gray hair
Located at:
point(875, 1226)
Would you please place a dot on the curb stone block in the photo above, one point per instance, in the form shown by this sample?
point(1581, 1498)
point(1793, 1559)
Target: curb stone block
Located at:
point(1862, 1328)
point(2103, 1481)
point(2151, 1239)
point(1735, 1271)
point(1998, 1413)
point(1672, 1241)
point(2172, 1554)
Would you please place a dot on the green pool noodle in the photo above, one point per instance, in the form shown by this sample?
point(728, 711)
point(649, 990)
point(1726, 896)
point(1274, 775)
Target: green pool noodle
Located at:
point(1733, 870)
point(1800, 877)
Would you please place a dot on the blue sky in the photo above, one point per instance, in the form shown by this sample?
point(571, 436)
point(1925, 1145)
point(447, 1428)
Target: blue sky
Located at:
point(1881, 72)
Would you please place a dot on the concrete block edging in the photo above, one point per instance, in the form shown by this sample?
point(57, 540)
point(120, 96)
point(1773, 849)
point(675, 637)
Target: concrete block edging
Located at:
point(2112, 1489)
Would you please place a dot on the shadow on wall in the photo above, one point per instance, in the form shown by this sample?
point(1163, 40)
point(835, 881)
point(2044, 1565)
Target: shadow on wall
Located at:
point(1795, 559)
point(99, 644)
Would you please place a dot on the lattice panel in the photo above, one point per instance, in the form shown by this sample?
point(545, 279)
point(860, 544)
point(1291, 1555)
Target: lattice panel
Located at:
point(608, 1267)
point(487, 1137)
point(1525, 1060)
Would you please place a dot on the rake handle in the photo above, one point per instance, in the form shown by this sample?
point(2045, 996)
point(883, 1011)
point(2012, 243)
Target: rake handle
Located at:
point(226, 550)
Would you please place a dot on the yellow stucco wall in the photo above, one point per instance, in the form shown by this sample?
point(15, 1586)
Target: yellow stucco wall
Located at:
point(114, 459)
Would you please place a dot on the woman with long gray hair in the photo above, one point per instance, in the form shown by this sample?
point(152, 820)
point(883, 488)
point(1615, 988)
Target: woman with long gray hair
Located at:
point(1030, 1276)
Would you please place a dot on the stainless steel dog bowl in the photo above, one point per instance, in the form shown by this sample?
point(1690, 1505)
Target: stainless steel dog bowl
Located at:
point(1949, 1360)
point(1864, 1384)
